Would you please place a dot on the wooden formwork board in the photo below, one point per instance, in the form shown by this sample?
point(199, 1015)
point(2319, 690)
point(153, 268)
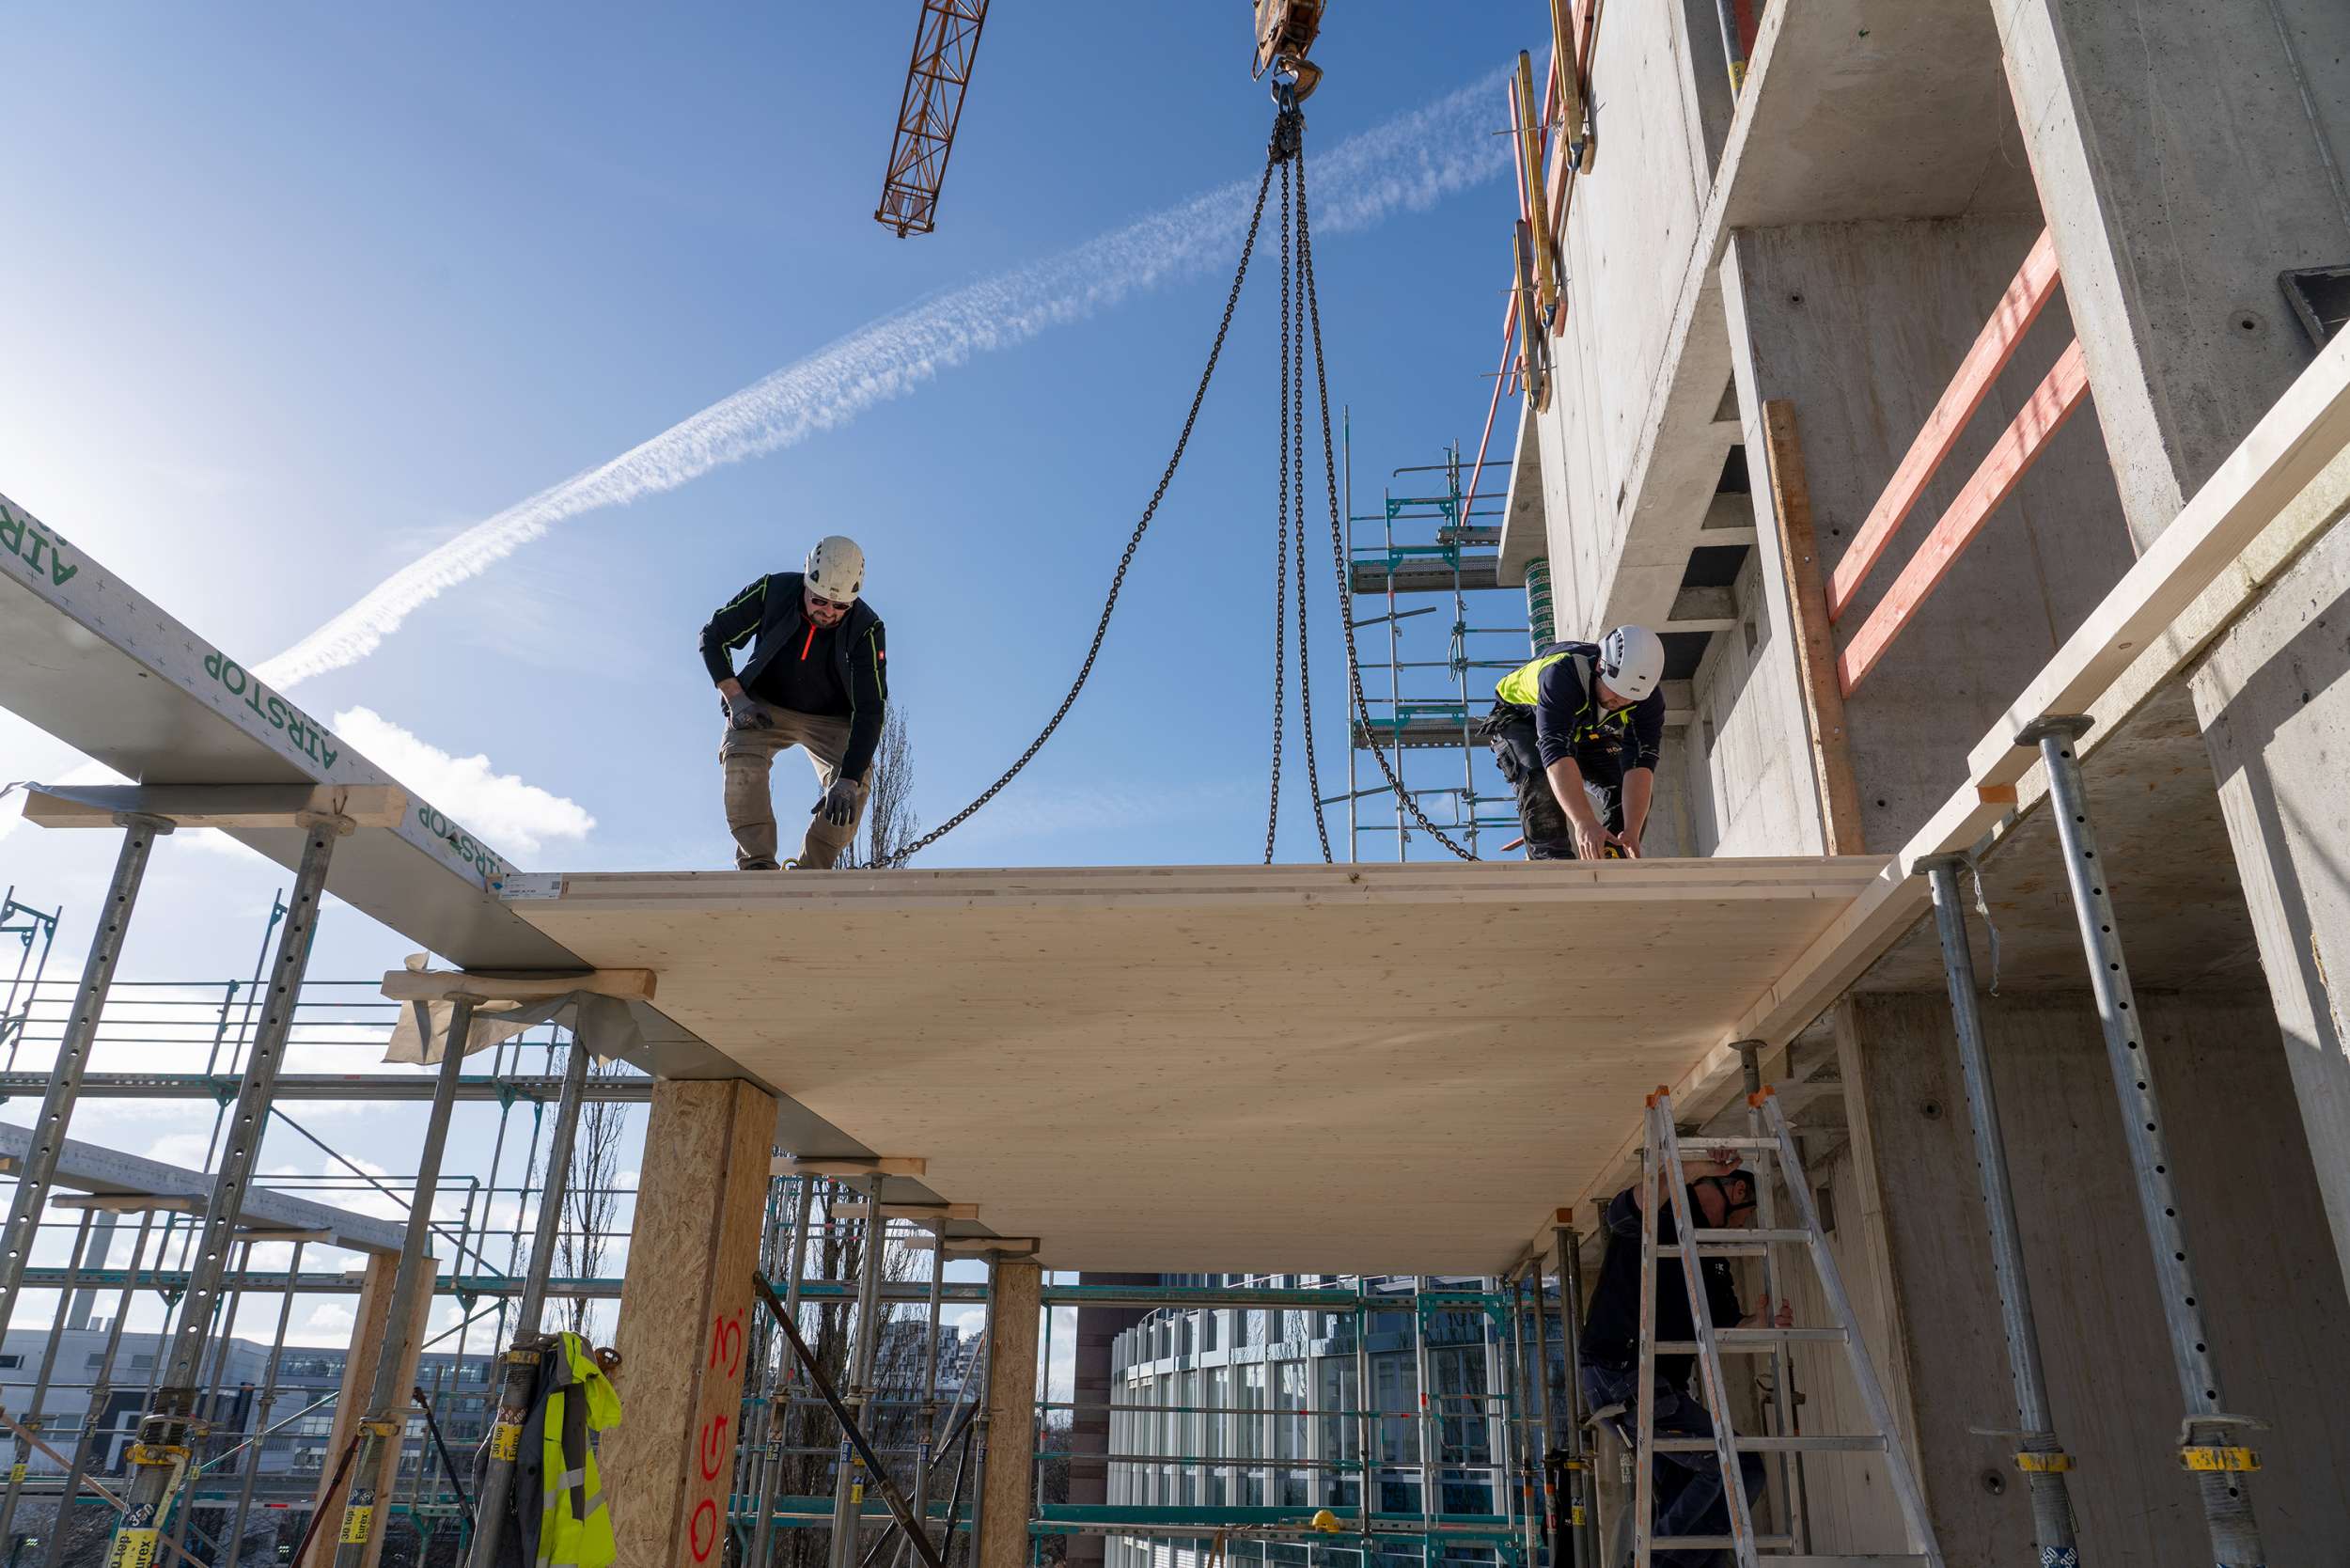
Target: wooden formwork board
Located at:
point(1391, 1069)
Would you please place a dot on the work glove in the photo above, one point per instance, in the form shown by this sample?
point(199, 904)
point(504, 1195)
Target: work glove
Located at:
point(745, 713)
point(837, 803)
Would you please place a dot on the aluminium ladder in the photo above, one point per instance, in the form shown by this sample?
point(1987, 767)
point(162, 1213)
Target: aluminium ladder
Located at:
point(1661, 1152)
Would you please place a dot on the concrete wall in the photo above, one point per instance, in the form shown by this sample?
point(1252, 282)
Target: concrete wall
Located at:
point(2179, 187)
point(1752, 789)
point(1629, 237)
point(2259, 1247)
point(1860, 325)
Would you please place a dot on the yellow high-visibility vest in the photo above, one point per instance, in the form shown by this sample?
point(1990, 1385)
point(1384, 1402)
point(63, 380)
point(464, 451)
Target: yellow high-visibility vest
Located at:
point(574, 1526)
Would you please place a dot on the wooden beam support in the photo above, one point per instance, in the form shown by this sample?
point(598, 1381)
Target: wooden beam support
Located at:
point(1815, 645)
point(132, 1203)
point(2063, 391)
point(2018, 308)
point(1015, 1294)
point(372, 1328)
point(441, 985)
point(907, 1211)
point(979, 1247)
point(850, 1165)
point(245, 806)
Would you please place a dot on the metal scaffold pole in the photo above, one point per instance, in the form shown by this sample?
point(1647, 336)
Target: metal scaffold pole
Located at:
point(521, 1364)
point(1367, 1431)
point(65, 1078)
point(848, 1496)
point(267, 1404)
point(779, 1412)
point(1581, 1523)
point(929, 1384)
point(161, 1455)
point(1548, 1447)
point(1793, 1518)
point(2211, 1437)
point(2040, 1456)
point(386, 1420)
point(31, 1421)
point(99, 1394)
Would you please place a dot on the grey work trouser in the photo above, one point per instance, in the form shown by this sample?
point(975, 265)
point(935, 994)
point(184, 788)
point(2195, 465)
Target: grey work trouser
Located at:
point(1510, 730)
point(747, 757)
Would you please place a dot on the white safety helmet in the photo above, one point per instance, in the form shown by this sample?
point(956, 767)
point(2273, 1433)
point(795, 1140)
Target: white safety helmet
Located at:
point(1632, 661)
point(836, 569)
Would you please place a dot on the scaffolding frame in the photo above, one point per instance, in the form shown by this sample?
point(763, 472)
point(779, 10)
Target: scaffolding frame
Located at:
point(1443, 546)
point(265, 1399)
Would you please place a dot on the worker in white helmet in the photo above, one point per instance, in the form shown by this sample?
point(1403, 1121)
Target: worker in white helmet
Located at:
point(1578, 732)
point(816, 678)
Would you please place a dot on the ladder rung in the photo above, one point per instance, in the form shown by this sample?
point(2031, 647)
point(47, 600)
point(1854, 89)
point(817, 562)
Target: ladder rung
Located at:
point(1832, 1336)
point(1753, 1341)
point(1754, 1249)
point(1866, 1559)
point(1856, 1442)
point(1697, 1142)
point(1725, 1543)
point(1706, 1237)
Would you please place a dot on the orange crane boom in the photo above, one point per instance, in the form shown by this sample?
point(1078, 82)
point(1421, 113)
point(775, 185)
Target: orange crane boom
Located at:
point(945, 42)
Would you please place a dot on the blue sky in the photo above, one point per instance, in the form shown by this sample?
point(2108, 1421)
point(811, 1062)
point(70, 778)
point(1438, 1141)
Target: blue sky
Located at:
point(294, 294)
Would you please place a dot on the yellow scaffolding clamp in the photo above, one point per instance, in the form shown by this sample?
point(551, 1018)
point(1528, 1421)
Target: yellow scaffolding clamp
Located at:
point(2216, 1458)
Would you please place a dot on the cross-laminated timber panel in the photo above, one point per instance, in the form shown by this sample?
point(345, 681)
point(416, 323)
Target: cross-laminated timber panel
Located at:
point(1391, 1069)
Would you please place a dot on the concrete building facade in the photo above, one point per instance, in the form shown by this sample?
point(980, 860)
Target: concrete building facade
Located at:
point(1766, 289)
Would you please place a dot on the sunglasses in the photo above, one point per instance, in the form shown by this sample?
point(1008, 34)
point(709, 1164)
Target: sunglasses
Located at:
point(817, 601)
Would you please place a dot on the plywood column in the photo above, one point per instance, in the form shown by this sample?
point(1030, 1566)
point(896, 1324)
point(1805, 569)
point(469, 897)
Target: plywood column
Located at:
point(1006, 1493)
point(2170, 257)
point(685, 1309)
point(370, 1330)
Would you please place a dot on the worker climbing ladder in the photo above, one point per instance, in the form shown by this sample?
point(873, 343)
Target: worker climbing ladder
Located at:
point(1661, 1154)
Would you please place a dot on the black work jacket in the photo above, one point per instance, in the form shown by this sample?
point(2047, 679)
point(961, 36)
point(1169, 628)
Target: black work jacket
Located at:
point(771, 615)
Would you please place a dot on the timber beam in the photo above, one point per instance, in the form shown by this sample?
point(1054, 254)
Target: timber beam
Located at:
point(443, 985)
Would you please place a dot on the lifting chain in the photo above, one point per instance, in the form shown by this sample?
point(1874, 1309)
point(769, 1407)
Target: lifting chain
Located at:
point(1134, 542)
point(1301, 311)
point(1337, 537)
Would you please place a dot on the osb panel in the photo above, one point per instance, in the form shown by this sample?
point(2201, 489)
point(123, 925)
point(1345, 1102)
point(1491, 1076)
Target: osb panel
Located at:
point(1386, 1069)
point(684, 1325)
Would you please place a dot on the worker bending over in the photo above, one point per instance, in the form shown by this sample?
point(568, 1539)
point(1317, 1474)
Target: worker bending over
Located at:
point(816, 678)
point(1577, 732)
point(1688, 1486)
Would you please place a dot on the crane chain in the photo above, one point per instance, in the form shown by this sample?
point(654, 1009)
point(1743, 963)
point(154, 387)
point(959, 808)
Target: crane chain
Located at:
point(1134, 542)
point(1281, 532)
point(1337, 538)
point(1294, 328)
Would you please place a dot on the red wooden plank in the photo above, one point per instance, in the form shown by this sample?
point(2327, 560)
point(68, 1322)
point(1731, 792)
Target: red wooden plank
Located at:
point(2002, 469)
point(1994, 347)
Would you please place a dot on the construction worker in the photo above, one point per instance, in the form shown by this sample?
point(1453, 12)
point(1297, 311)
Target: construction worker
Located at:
point(1687, 1486)
point(1577, 733)
point(816, 679)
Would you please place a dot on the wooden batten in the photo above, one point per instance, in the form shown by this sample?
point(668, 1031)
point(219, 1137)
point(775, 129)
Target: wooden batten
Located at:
point(441, 985)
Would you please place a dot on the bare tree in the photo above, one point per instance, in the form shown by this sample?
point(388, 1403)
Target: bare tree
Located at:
point(836, 1253)
point(590, 1198)
point(890, 824)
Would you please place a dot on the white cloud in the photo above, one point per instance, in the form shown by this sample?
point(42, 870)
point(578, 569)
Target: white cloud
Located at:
point(499, 808)
point(188, 1151)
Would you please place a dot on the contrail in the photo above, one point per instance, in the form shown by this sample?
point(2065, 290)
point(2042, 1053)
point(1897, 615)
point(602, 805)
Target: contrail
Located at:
point(1408, 164)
